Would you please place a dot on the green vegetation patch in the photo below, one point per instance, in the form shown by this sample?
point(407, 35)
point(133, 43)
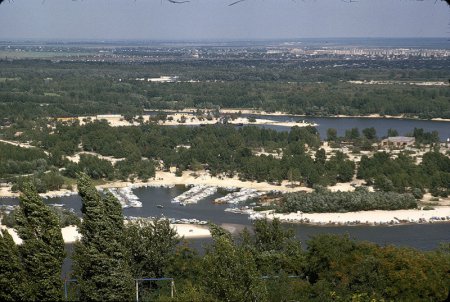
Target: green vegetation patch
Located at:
point(324, 201)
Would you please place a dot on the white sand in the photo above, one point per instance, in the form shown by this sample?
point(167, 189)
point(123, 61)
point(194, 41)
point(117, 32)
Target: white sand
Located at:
point(18, 144)
point(203, 178)
point(76, 157)
point(191, 230)
point(365, 217)
point(13, 234)
point(190, 120)
point(70, 234)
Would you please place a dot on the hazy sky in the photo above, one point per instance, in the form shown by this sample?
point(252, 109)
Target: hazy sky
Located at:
point(213, 19)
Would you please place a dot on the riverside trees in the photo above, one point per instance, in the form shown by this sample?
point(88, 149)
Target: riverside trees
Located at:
point(324, 201)
point(13, 278)
point(42, 251)
point(100, 258)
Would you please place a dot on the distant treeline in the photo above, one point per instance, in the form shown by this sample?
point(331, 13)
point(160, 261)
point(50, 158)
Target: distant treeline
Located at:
point(34, 88)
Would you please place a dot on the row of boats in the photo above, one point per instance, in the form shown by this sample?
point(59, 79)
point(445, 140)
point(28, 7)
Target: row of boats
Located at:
point(126, 197)
point(197, 193)
point(194, 195)
point(239, 196)
point(252, 215)
point(171, 220)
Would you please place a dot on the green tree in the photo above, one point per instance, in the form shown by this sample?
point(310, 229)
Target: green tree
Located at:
point(12, 273)
point(152, 245)
point(100, 259)
point(352, 134)
point(370, 133)
point(392, 132)
point(331, 134)
point(230, 272)
point(42, 250)
point(276, 248)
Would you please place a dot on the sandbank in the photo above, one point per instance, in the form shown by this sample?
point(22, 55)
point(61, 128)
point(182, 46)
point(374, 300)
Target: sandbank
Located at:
point(377, 217)
point(203, 178)
point(189, 119)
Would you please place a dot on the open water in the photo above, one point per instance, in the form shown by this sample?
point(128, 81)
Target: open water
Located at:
point(420, 236)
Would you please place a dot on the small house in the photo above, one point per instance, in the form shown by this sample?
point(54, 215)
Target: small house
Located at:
point(398, 142)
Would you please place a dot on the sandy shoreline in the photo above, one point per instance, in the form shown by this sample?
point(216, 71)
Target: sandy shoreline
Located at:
point(186, 119)
point(280, 113)
point(163, 179)
point(377, 217)
point(203, 178)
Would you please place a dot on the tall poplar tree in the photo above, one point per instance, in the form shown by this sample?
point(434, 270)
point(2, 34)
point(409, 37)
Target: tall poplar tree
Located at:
point(12, 273)
point(42, 250)
point(100, 258)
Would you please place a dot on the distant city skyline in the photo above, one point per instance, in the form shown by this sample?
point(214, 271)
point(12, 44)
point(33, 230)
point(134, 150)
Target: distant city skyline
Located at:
point(215, 20)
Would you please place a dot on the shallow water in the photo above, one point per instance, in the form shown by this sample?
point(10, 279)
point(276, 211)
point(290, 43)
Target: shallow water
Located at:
point(423, 236)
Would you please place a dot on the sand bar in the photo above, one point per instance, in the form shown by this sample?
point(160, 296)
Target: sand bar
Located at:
point(367, 217)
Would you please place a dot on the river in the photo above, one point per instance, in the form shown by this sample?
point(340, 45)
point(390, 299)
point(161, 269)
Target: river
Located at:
point(381, 125)
point(423, 236)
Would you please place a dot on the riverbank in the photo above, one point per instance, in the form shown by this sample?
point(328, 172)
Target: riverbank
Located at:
point(203, 178)
point(368, 116)
point(377, 217)
point(188, 119)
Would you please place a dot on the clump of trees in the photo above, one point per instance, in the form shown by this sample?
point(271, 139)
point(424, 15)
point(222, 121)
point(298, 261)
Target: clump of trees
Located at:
point(32, 271)
point(16, 160)
point(325, 201)
point(402, 174)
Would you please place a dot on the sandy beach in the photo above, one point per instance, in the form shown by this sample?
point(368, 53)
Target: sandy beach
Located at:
point(280, 113)
point(192, 120)
point(203, 178)
point(189, 119)
point(366, 217)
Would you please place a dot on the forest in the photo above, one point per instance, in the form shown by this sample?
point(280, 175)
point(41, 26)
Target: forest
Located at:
point(266, 263)
point(223, 150)
point(40, 88)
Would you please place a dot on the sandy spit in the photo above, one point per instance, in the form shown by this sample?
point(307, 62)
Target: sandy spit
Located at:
point(367, 217)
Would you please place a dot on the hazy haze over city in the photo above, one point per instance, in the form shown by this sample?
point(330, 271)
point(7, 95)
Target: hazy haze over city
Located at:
point(214, 19)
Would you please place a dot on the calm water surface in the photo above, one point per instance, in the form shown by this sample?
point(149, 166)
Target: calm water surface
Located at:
point(381, 125)
point(424, 237)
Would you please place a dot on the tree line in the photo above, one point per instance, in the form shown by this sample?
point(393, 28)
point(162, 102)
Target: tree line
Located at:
point(325, 201)
point(39, 88)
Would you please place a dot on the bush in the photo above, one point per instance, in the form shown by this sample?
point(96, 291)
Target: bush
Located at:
point(417, 193)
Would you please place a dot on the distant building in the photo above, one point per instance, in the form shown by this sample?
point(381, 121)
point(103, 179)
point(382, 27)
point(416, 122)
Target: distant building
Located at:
point(398, 142)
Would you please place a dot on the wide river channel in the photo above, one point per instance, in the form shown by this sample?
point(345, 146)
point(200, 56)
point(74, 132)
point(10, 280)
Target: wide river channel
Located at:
point(420, 236)
point(381, 125)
